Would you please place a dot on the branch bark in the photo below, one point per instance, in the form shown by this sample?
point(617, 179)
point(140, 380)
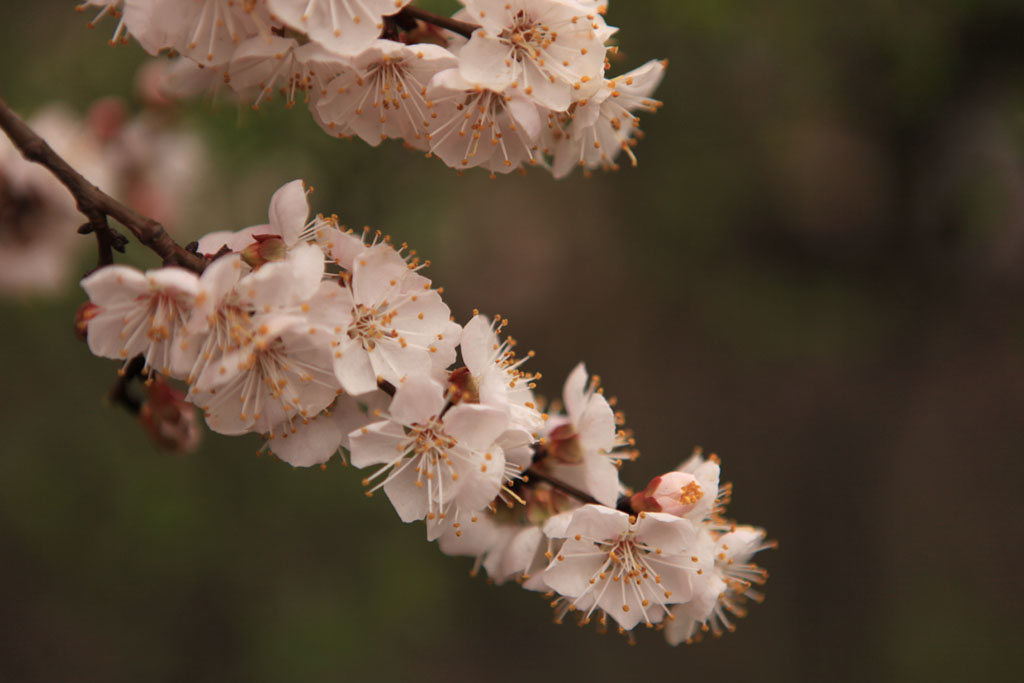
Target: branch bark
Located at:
point(463, 28)
point(95, 204)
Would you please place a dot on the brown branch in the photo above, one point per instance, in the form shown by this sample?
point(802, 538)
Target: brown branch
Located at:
point(581, 496)
point(463, 28)
point(95, 204)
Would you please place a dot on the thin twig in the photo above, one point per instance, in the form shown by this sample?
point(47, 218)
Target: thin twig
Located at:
point(95, 204)
point(581, 496)
point(463, 28)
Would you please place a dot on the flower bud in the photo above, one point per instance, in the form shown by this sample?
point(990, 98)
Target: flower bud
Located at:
point(86, 312)
point(675, 493)
point(564, 444)
point(264, 249)
point(463, 387)
point(169, 420)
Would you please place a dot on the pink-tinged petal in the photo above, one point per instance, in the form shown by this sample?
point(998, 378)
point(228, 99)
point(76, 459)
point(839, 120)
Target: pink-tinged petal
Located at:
point(353, 370)
point(618, 598)
point(174, 279)
point(470, 538)
point(526, 116)
point(677, 576)
point(478, 344)
point(114, 283)
point(218, 279)
point(601, 479)
point(519, 553)
point(596, 475)
point(449, 79)
point(281, 283)
point(598, 522)
point(518, 446)
point(416, 400)
point(482, 61)
point(311, 444)
point(341, 247)
point(571, 575)
point(479, 484)
point(596, 426)
point(104, 335)
point(573, 392)
point(373, 273)
point(394, 363)
point(475, 426)
point(552, 94)
point(558, 526)
point(237, 240)
point(643, 80)
point(376, 444)
point(409, 501)
point(665, 532)
point(289, 211)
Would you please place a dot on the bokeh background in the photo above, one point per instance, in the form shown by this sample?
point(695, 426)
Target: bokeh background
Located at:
point(816, 271)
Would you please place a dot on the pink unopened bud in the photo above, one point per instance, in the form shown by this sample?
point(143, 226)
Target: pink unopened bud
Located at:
point(675, 493)
point(170, 421)
point(86, 312)
point(564, 444)
point(264, 249)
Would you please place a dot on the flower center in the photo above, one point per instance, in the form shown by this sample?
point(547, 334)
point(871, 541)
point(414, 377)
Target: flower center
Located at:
point(369, 325)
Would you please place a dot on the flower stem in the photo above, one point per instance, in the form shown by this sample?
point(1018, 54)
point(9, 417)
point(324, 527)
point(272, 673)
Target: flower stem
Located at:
point(534, 473)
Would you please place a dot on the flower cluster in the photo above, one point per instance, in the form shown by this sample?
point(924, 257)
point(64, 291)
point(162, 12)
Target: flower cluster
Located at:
point(136, 157)
point(326, 342)
point(502, 85)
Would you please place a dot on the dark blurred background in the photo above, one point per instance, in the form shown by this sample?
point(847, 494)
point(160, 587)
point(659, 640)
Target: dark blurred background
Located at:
point(816, 271)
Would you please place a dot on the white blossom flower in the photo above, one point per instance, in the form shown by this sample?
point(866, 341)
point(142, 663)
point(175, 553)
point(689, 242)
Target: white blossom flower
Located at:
point(494, 377)
point(382, 95)
point(399, 326)
point(548, 49)
point(722, 592)
point(631, 568)
point(437, 462)
point(582, 446)
point(476, 126)
point(603, 125)
point(139, 313)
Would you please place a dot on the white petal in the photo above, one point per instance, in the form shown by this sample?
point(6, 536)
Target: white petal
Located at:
point(289, 211)
point(572, 392)
point(311, 444)
point(475, 426)
point(417, 399)
point(376, 444)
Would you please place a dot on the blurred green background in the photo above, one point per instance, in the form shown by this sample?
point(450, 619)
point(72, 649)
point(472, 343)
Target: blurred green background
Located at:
point(816, 271)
